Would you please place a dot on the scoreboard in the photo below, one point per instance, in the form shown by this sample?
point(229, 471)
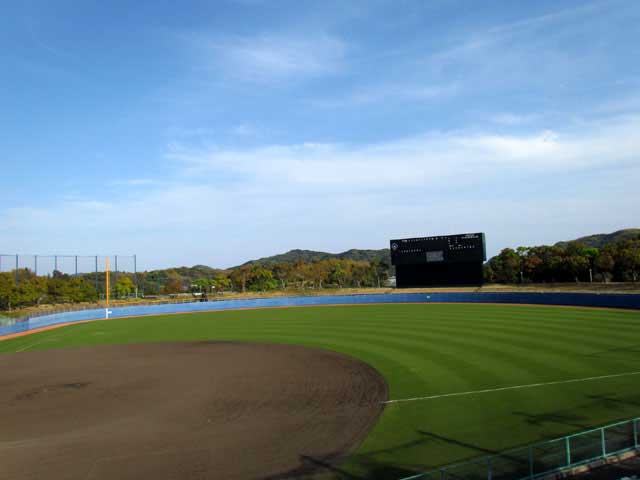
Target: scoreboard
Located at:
point(466, 247)
point(439, 260)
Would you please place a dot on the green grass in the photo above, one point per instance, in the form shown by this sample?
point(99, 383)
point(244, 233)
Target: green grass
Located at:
point(427, 350)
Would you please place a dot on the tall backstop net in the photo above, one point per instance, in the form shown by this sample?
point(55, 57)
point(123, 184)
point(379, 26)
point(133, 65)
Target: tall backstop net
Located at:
point(91, 268)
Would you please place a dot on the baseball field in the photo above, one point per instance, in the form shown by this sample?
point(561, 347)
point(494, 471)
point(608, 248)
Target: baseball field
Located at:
point(383, 392)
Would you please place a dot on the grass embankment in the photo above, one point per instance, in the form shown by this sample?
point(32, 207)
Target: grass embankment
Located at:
point(428, 350)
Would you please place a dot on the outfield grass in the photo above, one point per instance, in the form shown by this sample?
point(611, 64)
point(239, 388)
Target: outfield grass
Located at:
point(425, 350)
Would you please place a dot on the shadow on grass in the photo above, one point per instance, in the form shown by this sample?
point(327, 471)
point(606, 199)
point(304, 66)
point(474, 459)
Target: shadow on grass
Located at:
point(314, 468)
point(610, 401)
point(458, 443)
point(627, 349)
point(373, 468)
point(559, 417)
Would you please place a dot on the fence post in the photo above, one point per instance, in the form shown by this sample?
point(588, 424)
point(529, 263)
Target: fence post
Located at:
point(635, 433)
point(35, 264)
point(530, 461)
point(568, 445)
point(16, 268)
point(135, 273)
point(604, 445)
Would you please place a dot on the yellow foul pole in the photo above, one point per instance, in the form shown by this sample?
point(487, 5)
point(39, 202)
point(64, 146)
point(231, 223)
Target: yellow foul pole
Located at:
point(107, 286)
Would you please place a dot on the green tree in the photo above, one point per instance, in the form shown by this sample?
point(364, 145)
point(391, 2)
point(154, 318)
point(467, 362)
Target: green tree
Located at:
point(221, 283)
point(337, 274)
point(261, 279)
point(173, 285)
point(125, 287)
point(380, 271)
point(7, 291)
point(200, 285)
point(506, 266)
point(604, 264)
point(628, 259)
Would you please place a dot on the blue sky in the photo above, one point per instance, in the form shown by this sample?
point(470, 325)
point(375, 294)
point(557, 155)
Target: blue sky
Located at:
point(216, 132)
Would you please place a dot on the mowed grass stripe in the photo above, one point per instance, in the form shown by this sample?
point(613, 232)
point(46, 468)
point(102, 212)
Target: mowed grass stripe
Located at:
point(508, 336)
point(530, 336)
point(513, 350)
point(433, 349)
point(482, 360)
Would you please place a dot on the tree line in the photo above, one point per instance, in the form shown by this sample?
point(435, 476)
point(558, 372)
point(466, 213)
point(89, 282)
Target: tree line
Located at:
point(331, 273)
point(31, 289)
point(22, 288)
point(575, 262)
point(618, 261)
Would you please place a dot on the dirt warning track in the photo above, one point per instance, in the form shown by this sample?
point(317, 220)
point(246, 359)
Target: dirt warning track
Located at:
point(199, 410)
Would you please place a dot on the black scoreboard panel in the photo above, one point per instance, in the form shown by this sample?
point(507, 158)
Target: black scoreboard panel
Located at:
point(466, 247)
point(439, 274)
point(439, 260)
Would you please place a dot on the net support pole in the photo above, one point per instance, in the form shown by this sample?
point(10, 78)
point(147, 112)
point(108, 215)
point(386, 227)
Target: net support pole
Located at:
point(116, 274)
point(604, 444)
point(17, 268)
point(55, 263)
point(530, 461)
point(35, 264)
point(76, 265)
point(635, 432)
point(96, 274)
point(135, 273)
point(568, 447)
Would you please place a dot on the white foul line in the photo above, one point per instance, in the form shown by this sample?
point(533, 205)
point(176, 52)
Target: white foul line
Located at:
point(514, 387)
point(26, 347)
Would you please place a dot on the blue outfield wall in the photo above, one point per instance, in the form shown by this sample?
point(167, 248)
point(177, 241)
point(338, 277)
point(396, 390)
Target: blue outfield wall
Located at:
point(629, 301)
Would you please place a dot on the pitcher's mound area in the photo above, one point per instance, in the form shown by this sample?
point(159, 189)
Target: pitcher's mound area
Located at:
point(182, 411)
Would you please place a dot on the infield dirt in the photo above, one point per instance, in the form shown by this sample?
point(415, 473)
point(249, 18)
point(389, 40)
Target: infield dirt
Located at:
point(182, 411)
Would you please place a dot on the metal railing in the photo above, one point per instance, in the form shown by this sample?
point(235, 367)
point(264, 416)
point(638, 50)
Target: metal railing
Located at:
point(544, 458)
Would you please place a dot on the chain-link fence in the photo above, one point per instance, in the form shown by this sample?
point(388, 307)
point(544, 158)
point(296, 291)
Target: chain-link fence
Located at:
point(91, 268)
point(545, 458)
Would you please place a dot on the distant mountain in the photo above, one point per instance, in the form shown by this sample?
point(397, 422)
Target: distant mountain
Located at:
point(601, 239)
point(307, 256)
point(197, 271)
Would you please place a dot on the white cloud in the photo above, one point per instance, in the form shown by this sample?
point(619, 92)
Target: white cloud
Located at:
point(512, 119)
point(419, 161)
point(550, 18)
point(277, 57)
point(245, 130)
point(525, 188)
point(629, 103)
point(388, 92)
point(543, 55)
point(132, 182)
